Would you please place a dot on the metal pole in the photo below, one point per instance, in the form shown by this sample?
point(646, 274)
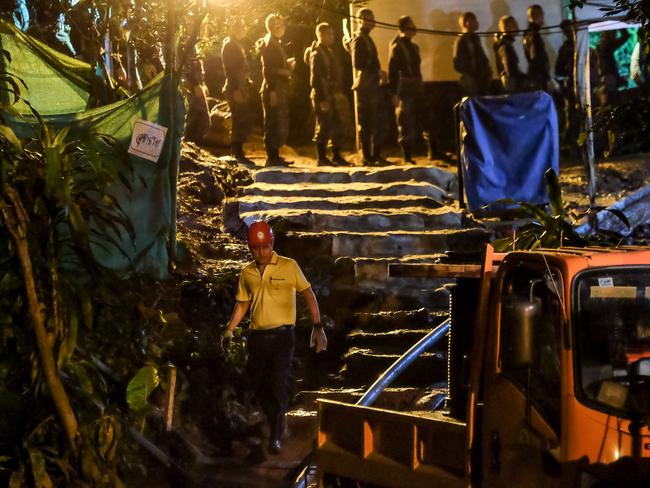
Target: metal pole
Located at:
point(354, 92)
point(402, 363)
point(171, 91)
point(582, 94)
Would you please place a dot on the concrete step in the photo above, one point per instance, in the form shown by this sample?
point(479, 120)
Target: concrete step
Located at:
point(361, 220)
point(443, 178)
point(386, 320)
point(309, 245)
point(398, 339)
point(336, 190)
point(373, 297)
point(361, 269)
point(391, 398)
point(363, 366)
point(253, 203)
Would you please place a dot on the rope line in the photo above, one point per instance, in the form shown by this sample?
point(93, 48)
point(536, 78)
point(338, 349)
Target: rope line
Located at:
point(544, 30)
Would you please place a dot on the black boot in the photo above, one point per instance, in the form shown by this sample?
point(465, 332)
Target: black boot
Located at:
point(277, 429)
point(406, 152)
point(337, 158)
point(237, 149)
point(321, 151)
point(367, 153)
point(432, 150)
point(273, 157)
point(376, 156)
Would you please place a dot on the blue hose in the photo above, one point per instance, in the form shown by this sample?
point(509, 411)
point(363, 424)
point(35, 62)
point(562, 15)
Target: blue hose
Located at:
point(402, 363)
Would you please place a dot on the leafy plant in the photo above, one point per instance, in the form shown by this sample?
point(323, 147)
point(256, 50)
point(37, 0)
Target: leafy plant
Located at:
point(556, 228)
point(55, 205)
point(141, 386)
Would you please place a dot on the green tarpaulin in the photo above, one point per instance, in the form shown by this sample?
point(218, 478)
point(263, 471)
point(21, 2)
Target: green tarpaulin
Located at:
point(58, 87)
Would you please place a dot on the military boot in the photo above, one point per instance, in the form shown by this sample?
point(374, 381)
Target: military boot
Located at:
point(273, 158)
point(321, 151)
point(366, 150)
point(406, 152)
point(377, 157)
point(337, 159)
point(237, 150)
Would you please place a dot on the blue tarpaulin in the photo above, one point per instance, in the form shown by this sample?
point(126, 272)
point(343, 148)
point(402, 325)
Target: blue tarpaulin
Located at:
point(507, 144)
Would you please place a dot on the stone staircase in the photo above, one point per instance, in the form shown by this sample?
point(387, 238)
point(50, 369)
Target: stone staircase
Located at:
point(347, 227)
point(353, 224)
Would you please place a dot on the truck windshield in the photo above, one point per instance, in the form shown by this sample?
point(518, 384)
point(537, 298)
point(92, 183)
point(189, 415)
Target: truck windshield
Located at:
point(612, 325)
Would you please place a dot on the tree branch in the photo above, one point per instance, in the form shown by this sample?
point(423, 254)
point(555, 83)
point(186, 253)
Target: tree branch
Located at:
point(15, 220)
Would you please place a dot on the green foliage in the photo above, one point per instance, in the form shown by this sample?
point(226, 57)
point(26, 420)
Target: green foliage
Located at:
point(57, 186)
point(141, 386)
point(556, 228)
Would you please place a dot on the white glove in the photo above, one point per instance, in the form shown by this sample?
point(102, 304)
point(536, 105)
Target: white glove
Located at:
point(318, 339)
point(226, 339)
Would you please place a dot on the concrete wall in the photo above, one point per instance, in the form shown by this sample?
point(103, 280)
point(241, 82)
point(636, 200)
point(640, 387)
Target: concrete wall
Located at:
point(443, 15)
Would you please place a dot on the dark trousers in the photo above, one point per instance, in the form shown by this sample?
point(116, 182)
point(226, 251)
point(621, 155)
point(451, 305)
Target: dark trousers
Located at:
point(240, 120)
point(407, 112)
point(328, 123)
point(270, 353)
point(372, 113)
point(276, 118)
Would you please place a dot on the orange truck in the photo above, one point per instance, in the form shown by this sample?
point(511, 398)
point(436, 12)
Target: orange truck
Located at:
point(549, 378)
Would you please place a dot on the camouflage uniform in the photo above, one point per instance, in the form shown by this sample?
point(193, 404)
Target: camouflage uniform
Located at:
point(405, 81)
point(198, 113)
point(276, 80)
point(609, 76)
point(370, 105)
point(235, 67)
point(325, 81)
point(472, 64)
point(567, 114)
point(512, 79)
point(538, 64)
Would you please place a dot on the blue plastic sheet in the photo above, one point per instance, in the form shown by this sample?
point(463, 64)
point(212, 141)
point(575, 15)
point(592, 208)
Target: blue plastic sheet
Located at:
point(507, 144)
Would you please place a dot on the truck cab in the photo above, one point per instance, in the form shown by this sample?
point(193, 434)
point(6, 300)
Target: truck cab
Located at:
point(549, 359)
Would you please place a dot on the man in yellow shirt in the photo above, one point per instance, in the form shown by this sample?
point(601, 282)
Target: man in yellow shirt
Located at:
point(268, 287)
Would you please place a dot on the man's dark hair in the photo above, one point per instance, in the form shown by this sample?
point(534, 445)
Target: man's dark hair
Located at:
point(405, 22)
point(365, 12)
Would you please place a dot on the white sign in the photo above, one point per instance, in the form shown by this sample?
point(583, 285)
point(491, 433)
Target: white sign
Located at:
point(147, 140)
point(605, 282)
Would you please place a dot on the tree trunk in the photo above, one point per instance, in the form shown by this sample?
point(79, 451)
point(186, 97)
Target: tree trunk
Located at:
point(15, 220)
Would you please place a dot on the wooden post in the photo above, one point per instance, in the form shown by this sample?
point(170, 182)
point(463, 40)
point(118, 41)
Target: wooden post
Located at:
point(169, 403)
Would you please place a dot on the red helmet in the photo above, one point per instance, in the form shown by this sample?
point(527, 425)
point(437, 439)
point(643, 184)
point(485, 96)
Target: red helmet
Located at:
point(260, 234)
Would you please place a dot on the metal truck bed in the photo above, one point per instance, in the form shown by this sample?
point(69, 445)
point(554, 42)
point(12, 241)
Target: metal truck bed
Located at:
point(391, 449)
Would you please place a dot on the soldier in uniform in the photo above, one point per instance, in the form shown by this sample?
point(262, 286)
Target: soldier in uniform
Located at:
point(237, 88)
point(276, 70)
point(470, 59)
point(367, 81)
point(539, 76)
point(564, 75)
point(325, 81)
point(512, 79)
point(609, 76)
point(405, 83)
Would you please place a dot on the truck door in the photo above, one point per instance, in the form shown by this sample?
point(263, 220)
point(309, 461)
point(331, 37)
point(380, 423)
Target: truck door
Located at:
point(522, 389)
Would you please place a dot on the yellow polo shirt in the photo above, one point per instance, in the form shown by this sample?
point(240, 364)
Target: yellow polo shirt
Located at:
point(272, 295)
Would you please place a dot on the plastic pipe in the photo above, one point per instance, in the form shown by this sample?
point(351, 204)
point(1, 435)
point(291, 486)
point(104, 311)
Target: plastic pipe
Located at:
point(395, 369)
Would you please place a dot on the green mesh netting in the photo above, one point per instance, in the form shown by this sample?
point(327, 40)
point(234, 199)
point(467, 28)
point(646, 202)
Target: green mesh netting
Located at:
point(55, 83)
point(58, 88)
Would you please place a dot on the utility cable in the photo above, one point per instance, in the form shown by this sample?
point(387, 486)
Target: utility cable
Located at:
point(544, 30)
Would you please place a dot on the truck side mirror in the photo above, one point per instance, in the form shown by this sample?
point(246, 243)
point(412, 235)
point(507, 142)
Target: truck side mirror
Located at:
point(519, 319)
